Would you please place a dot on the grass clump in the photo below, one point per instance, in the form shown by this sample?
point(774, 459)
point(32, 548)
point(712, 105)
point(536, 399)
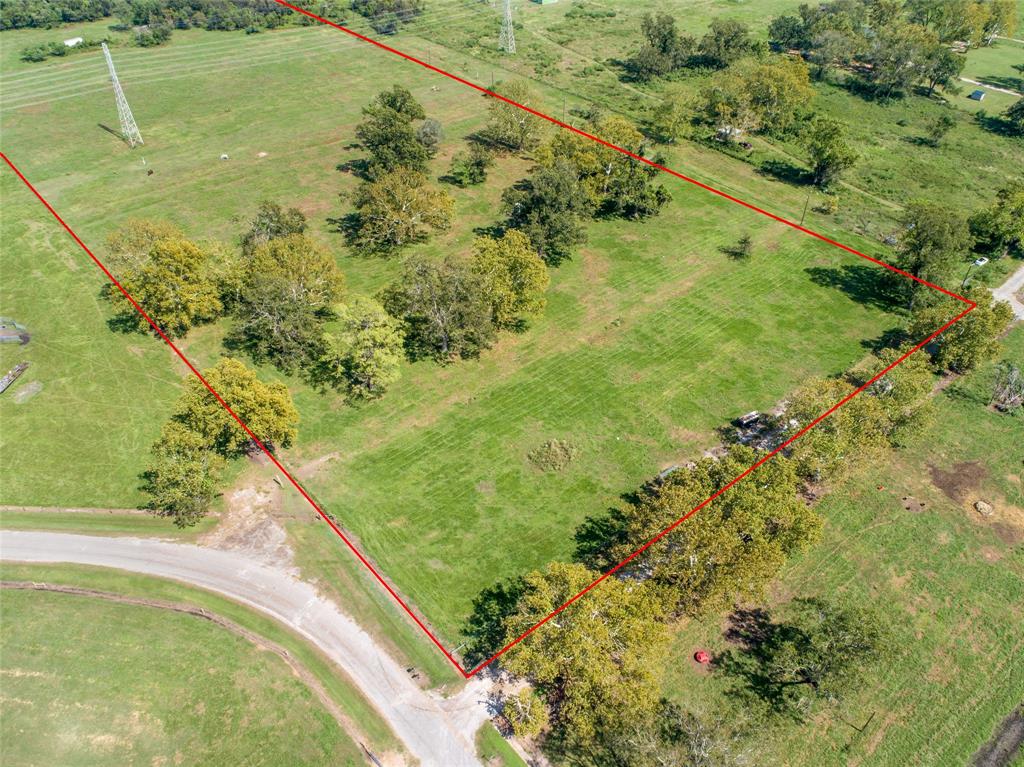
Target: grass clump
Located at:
point(554, 455)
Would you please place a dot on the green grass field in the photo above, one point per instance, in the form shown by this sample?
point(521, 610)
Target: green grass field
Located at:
point(650, 340)
point(495, 750)
point(948, 581)
point(362, 716)
point(163, 687)
point(996, 66)
point(101, 523)
point(81, 439)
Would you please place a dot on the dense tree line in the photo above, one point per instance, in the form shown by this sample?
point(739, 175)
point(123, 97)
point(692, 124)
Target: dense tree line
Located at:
point(18, 14)
point(887, 50)
point(387, 15)
point(168, 14)
point(894, 46)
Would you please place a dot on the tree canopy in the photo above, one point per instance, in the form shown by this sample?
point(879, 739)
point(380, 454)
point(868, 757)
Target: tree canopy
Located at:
point(510, 126)
point(399, 208)
point(970, 341)
point(387, 132)
point(363, 351)
point(173, 283)
point(768, 96)
point(934, 240)
point(288, 285)
point(726, 41)
point(387, 15)
point(271, 222)
point(182, 475)
point(548, 207)
point(129, 245)
point(266, 409)
point(443, 306)
point(858, 429)
point(663, 50)
point(999, 228)
point(904, 393)
point(828, 150)
point(513, 277)
point(743, 539)
point(595, 662)
point(615, 183)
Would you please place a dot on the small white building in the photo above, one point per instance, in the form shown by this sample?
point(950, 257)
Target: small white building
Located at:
point(71, 42)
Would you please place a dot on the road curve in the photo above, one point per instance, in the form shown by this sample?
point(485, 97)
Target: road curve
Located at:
point(1008, 292)
point(437, 731)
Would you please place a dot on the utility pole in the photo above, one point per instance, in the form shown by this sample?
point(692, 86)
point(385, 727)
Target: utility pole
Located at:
point(507, 41)
point(806, 203)
point(129, 130)
point(976, 262)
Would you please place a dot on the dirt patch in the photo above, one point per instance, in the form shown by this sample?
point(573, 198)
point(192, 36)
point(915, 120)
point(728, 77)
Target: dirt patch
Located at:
point(1005, 743)
point(27, 392)
point(962, 483)
point(309, 470)
point(1011, 533)
point(248, 526)
point(913, 505)
point(961, 479)
point(990, 554)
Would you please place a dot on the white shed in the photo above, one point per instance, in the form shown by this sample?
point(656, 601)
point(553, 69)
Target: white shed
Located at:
point(71, 42)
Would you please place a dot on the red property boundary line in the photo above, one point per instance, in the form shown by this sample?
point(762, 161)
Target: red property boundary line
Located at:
point(768, 456)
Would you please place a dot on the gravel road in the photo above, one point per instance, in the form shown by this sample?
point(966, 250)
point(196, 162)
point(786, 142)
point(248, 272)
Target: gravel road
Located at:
point(437, 731)
point(1008, 292)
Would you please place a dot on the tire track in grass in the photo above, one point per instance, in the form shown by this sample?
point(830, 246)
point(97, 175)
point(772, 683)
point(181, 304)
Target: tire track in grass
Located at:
point(261, 643)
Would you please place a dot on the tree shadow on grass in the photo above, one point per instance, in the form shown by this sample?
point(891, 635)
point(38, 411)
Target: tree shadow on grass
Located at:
point(864, 284)
point(888, 339)
point(784, 171)
point(597, 536)
point(359, 167)
point(1004, 81)
point(749, 662)
point(485, 627)
point(494, 231)
point(995, 124)
point(347, 224)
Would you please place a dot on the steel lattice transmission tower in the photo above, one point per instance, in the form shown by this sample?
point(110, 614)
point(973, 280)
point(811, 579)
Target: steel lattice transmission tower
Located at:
point(508, 33)
point(129, 130)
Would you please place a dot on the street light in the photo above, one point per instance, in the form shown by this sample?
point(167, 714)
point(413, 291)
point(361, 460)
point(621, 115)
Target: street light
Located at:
point(977, 262)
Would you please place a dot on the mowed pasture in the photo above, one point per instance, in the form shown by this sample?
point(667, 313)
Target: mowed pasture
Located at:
point(653, 336)
point(162, 688)
point(1000, 65)
point(905, 537)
